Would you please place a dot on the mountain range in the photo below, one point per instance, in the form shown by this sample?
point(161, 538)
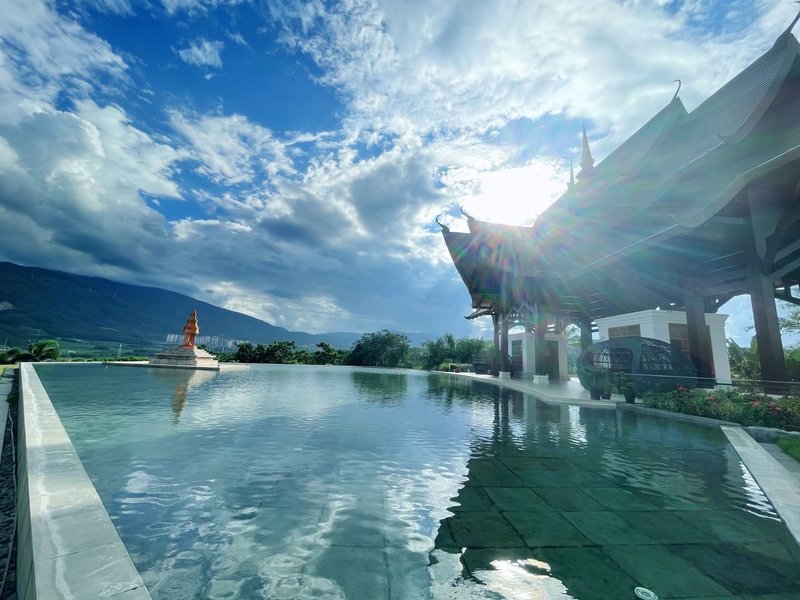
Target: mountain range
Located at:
point(92, 315)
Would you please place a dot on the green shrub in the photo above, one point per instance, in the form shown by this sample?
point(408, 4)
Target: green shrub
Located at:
point(743, 407)
point(790, 446)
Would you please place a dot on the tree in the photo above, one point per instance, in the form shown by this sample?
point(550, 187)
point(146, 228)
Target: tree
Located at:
point(38, 351)
point(448, 349)
point(328, 355)
point(744, 361)
point(380, 349)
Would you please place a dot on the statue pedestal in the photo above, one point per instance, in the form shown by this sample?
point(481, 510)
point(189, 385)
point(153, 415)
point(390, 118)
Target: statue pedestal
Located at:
point(190, 358)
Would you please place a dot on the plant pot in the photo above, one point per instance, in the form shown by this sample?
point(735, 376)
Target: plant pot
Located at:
point(630, 396)
point(594, 393)
point(606, 394)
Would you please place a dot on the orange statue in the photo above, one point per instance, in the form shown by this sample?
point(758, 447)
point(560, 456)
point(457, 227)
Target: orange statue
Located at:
point(190, 331)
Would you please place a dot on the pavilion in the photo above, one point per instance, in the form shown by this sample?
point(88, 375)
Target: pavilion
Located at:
point(691, 210)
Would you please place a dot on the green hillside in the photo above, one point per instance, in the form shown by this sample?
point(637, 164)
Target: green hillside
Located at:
point(91, 315)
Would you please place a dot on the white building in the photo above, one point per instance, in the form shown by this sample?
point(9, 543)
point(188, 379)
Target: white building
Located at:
point(666, 325)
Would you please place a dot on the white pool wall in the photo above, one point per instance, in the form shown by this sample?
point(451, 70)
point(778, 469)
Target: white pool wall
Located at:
point(67, 546)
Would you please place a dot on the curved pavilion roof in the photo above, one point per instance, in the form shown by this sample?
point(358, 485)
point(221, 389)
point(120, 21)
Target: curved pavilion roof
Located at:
point(668, 199)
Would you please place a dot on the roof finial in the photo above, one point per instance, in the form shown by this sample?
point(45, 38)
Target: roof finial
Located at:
point(444, 227)
point(587, 162)
point(791, 25)
point(678, 91)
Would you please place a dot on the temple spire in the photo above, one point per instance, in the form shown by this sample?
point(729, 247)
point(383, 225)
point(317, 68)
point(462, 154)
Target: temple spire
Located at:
point(587, 162)
point(571, 175)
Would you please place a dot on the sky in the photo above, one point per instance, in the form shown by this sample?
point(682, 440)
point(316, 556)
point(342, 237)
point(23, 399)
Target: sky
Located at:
point(288, 159)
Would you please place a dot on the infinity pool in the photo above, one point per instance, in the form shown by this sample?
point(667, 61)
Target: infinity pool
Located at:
point(330, 482)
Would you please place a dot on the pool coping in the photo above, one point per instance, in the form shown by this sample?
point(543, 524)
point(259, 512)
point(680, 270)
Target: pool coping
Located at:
point(67, 545)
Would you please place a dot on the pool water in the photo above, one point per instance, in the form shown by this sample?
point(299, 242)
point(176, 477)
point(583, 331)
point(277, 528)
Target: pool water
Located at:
point(330, 482)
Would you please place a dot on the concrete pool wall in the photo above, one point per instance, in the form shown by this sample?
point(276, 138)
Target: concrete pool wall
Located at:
point(67, 546)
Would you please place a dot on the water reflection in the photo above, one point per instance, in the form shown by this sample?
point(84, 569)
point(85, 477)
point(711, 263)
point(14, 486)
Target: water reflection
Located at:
point(286, 482)
point(381, 386)
point(181, 380)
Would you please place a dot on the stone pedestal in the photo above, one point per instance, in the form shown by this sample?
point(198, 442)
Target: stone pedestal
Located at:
point(504, 375)
point(190, 358)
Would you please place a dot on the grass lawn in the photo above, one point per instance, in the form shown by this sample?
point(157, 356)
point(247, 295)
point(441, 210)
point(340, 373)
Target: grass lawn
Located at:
point(790, 446)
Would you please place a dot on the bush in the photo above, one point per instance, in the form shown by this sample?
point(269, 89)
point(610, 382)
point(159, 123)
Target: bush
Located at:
point(743, 407)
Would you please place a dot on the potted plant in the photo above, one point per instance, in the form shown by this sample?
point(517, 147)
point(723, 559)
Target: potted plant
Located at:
point(598, 381)
point(627, 388)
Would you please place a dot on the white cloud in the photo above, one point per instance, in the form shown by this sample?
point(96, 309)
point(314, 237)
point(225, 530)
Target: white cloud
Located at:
point(415, 68)
point(197, 6)
point(43, 54)
point(231, 149)
point(203, 53)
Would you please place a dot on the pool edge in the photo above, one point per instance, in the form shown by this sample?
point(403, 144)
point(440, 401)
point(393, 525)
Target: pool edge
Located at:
point(67, 545)
point(782, 489)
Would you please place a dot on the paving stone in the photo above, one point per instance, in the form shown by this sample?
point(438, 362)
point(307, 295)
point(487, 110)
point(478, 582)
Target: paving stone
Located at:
point(606, 528)
point(518, 499)
point(619, 499)
point(568, 499)
point(587, 573)
point(546, 529)
point(665, 527)
point(358, 572)
point(660, 571)
point(483, 530)
point(743, 572)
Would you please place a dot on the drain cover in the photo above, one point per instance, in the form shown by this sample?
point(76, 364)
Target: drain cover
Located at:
point(644, 594)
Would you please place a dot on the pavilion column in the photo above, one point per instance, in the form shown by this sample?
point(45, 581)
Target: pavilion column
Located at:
point(505, 365)
point(765, 319)
point(585, 325)
point(765, 214)
point(541, 344)
point(699, 337)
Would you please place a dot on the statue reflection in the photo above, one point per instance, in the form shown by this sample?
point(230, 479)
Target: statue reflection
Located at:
point(182, 380)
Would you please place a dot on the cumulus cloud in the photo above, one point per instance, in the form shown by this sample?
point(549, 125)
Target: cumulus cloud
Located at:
point(334, 230)
point(43, 54)
point(203, 53)
point(231, 149)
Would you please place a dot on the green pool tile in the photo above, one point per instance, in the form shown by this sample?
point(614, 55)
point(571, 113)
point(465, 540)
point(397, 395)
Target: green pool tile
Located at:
point(587, 573)
point(567, 499)
point(533, 463)
point(542, 478)
point(491, 472)
point(669, 576)
point(444, 537)
point(738, 570)
point(483, 530)
point(665, 527)
point(606, 528)
point(519, 499)
point(546, 529)
point(732, 526)
point(471, 499)
point(358, 572)
point(784, 552)
point(408, 574)
point(619, 499)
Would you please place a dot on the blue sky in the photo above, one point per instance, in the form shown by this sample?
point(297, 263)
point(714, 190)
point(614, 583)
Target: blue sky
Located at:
point(288, 159)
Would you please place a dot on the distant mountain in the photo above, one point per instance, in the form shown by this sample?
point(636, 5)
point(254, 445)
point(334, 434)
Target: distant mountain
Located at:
point(95, 315)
